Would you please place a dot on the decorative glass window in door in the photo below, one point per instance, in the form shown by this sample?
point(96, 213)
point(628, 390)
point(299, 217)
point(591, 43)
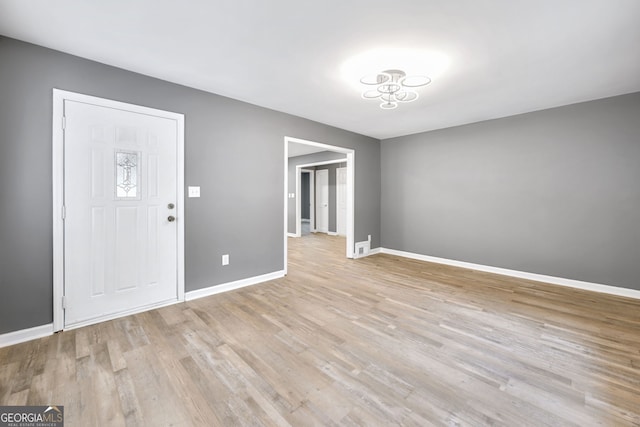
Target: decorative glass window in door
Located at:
point(127, 175)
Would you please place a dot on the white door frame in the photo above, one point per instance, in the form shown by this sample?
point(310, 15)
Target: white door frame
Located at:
point(322, 208)
point(351, 154)
point(299, 171)
point(59, 96)
point(338, 216)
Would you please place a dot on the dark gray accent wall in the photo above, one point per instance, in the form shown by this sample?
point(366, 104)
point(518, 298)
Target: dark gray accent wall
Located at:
point(305, 196)
point(554, 192)
point(303, 160)
point(234, 151)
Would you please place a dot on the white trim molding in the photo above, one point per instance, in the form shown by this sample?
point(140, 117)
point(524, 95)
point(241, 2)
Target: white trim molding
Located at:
point(578, 284)
point(24, 335)
point(230, 286)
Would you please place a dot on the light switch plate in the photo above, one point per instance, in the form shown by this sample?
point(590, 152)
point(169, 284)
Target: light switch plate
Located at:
point(194, 191)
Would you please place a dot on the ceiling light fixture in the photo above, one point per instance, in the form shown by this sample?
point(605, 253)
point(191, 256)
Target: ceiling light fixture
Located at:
point(393, 87)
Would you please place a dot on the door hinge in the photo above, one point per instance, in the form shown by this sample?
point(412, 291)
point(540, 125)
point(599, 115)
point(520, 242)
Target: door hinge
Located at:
point(64, 122)
point(64, 302)
point(64, 212)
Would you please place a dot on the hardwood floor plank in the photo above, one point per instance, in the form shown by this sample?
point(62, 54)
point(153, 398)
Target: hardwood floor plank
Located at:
point(127, 398)
point(257, 389)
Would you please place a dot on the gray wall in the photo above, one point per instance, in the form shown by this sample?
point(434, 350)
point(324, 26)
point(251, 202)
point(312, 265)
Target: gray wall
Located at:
point(554, 192)
point(305, 196)
point(303, 160)
point(234, 151)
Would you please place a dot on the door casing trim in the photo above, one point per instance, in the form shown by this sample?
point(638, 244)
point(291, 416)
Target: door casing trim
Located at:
point(59, 96)
point(320, 188)
point(337, 203)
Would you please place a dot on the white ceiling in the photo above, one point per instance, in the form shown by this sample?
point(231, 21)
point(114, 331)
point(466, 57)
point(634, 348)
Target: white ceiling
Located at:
point(505, 56)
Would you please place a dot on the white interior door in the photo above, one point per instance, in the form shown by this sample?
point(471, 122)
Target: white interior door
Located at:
point(322, 200)
point(120, 196)
point(341, 201)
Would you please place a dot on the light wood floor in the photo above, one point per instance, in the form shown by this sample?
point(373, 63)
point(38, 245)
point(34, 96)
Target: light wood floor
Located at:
point(375, 341)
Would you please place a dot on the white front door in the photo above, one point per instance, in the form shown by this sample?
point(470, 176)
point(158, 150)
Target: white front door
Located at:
point(341, 201)
point(120, 196)
point(322, 200)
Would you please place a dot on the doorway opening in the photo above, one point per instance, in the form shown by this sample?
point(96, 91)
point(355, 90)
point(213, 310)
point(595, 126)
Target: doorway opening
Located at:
point(321, 198)
point(297, 148)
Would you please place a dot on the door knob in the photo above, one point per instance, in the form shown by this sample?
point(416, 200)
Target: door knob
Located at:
point(171, 218)
point(171, 206)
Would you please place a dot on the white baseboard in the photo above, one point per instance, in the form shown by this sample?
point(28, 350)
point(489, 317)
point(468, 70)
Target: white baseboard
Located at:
point(332, 233)
point(225, 287)
point(23, 335)
point(588, 286)
point(292, 235)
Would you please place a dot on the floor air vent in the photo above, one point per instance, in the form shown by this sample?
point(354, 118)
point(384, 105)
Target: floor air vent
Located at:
point(362, 249)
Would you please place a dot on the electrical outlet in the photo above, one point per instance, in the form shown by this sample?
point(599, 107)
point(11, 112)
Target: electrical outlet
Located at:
point(225, 259)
